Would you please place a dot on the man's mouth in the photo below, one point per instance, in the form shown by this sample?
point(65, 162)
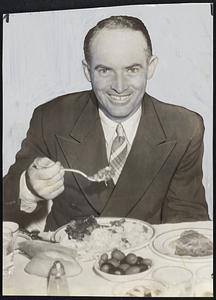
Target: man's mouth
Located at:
point(120, 99)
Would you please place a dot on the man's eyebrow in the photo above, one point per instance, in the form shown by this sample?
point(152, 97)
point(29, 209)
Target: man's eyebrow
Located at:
point(128, 67)
point(102, 67)
point(134, 65)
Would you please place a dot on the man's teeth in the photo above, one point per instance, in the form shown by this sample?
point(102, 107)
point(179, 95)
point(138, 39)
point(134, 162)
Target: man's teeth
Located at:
point(119, 98)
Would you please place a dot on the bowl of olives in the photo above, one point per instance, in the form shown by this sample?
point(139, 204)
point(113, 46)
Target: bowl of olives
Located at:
point(119, 266)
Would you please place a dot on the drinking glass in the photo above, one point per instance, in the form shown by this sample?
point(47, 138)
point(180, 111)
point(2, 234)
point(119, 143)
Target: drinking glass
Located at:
point(203, 286)
point(204, 273)
point(178, 280)
point(9, 235)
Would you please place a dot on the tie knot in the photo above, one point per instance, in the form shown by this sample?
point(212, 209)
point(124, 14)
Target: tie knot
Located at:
point(120, 130)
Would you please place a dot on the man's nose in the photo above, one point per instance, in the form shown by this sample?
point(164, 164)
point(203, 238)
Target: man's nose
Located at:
point(119, 84)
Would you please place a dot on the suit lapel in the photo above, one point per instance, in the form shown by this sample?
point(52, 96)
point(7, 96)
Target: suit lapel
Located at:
point(149, 151)
point(85, 150)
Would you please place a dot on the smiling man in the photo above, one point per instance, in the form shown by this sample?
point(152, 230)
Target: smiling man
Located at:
point(119, 66)
point(154, 149)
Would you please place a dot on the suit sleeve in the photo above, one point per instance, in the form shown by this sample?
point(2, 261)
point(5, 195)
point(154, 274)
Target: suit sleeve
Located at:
point(32, 146)
point(186, 196)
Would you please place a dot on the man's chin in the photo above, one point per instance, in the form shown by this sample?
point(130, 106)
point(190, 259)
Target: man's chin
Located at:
point(118, 116)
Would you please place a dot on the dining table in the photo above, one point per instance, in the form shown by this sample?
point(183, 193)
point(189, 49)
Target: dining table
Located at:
point(88, 282)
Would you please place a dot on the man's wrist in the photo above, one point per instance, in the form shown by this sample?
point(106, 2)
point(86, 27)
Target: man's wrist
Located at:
point(28, 201)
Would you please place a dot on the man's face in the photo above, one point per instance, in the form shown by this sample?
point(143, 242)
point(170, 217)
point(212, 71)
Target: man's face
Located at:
point(119, 70)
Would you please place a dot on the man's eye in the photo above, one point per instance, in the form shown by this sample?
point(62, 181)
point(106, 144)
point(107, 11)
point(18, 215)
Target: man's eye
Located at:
point(104, 71)
point(133, 70)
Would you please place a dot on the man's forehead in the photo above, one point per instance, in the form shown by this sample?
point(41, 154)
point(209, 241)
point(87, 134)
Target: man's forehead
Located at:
point(122, 36)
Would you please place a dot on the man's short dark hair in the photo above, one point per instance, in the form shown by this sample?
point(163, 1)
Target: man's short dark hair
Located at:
point(116, 22)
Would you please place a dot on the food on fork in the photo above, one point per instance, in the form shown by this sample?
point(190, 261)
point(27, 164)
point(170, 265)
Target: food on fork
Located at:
point(104, 174)
point(193, 243)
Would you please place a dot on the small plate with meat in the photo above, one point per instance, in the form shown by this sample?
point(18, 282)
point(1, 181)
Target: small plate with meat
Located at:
point(194, 245)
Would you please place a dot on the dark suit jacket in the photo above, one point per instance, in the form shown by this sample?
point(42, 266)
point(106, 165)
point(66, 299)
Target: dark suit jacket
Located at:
point(161, 180)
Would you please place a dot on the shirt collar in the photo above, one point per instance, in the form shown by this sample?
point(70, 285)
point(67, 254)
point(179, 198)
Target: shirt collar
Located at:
point(130, 125)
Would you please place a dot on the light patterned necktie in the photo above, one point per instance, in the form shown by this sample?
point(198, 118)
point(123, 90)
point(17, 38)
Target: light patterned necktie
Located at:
point(118, 152)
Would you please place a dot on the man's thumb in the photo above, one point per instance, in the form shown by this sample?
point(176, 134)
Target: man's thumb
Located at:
point(43, 162)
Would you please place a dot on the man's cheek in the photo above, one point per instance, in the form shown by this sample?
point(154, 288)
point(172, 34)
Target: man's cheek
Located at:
point(98, 83)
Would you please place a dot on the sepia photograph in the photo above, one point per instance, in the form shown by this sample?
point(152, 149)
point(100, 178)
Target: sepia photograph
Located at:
point(108, 151)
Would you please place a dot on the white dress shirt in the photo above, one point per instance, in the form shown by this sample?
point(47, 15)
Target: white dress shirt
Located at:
point(29, 201)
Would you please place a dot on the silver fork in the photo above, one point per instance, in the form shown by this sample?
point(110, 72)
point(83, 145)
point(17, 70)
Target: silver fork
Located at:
point(91, 178)
point(95, 177)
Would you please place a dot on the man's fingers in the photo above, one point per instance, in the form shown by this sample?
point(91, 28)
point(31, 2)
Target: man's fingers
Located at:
point(52, 174)
point(53, 195)
point(58, 177)
point(43, 188)
point(49, 172)
point(46, 177)
point(53, 181)
point(43, 162)
point(50, 192)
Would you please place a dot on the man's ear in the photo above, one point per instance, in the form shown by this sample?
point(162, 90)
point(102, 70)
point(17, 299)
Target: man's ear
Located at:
point(86, 70)
point(152, 66)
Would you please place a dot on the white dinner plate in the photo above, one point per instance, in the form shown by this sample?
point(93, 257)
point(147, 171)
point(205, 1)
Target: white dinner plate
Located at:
point(164, 244)
point(131, 235)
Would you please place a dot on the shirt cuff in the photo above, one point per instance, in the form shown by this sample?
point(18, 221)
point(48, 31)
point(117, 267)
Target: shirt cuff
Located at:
point(28, 200)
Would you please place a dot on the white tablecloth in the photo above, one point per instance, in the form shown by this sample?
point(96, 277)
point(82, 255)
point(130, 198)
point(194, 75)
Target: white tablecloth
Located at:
point(87, 283)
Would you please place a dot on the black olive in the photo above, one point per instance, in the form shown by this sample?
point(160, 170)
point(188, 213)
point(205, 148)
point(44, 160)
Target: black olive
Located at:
point(139, 260)
point(114, 262)
point(131, 258)
point(116, 271)
point(124, 266)
point(106, 267)
point(132, 270)
point(119, 271)
point(104, 256)
point(147, 261)
point(117, 254)
point(143, 267)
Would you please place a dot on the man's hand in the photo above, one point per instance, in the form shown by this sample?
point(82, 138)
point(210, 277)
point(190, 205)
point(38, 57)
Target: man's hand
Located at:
point(46, 177)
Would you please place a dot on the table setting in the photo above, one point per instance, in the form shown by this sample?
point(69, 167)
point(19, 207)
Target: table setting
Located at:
point(110, 257)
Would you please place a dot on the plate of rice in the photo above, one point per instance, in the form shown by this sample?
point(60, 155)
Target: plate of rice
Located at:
point(92, 236)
